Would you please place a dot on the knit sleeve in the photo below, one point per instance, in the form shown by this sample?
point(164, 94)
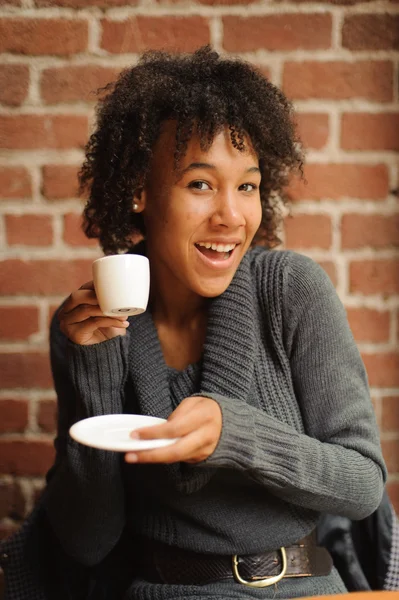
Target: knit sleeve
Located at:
point(336, 466)
point(84, 499)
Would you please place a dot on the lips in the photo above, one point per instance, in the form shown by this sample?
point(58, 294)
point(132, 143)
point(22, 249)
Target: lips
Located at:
point(216, 255)
point(217, 246)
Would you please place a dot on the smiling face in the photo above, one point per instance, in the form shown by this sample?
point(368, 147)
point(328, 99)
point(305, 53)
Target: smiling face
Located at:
point(201, 220)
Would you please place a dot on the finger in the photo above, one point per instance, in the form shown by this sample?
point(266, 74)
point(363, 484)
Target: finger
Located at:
point(91, 325)
point(84, 312)
point(98, 322)
point(188, 448)
point(180, 423)
point(79, 297)
point(89, 285)
point(153, 432)
point(185, 406)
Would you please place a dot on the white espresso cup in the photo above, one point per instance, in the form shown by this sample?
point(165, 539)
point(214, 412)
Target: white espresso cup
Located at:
point(122, 284)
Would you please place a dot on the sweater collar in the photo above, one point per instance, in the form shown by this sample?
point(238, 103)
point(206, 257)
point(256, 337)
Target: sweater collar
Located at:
point(228, 357)
point(229, 351)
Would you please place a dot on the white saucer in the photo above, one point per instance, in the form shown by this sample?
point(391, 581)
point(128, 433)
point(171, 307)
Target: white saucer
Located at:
point(111, 432)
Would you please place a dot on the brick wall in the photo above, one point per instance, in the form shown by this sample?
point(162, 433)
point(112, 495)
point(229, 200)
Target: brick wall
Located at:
point(337, 60)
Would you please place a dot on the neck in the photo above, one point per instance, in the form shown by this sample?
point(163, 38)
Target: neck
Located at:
point(174, 305)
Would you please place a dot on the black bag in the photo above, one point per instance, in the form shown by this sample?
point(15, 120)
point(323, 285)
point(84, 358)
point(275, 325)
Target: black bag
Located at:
point(365, 552)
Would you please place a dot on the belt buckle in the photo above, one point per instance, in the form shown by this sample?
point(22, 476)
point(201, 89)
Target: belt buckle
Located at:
point(260, 583)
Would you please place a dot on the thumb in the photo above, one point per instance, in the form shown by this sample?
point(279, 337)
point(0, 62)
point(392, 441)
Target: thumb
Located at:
point(89, 285)
point(184, 407)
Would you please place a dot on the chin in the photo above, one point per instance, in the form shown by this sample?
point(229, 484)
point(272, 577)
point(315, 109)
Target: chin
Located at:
point(212, 290)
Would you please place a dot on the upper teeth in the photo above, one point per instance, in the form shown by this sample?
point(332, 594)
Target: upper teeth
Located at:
point(218, 247)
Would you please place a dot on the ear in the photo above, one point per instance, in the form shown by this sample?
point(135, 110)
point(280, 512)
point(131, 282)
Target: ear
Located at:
point(139, 200)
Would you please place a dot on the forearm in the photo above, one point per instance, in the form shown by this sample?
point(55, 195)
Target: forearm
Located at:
point(85, 496)
point(326, 477)
point(98, 375)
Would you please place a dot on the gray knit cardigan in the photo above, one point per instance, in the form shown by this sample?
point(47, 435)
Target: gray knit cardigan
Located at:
point(299, 436)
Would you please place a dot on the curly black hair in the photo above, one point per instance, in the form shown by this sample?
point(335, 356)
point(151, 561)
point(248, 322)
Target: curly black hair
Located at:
point(202, 91)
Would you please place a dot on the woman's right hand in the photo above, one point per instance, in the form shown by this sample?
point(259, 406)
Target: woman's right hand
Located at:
point(82, 321)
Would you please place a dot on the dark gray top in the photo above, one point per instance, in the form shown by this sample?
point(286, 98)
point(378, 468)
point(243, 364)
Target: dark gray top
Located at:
point(299, 435)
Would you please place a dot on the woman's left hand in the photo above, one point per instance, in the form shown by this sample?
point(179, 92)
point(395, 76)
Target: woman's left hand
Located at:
point(197, 421)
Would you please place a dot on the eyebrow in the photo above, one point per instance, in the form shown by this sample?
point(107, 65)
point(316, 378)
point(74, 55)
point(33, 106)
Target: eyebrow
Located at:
point(200, 165)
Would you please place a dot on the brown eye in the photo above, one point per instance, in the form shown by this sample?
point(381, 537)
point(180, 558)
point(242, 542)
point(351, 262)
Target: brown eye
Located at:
point(199, 185)
point(250, 187)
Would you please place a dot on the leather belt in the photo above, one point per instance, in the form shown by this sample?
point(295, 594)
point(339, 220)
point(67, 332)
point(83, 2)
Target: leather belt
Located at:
point(160, 563)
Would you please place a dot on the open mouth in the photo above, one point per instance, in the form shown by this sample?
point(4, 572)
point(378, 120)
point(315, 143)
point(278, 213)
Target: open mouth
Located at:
point(219, 252)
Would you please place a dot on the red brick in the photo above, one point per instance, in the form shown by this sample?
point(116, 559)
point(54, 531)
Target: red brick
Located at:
point(376, 403)
point(374, 276)
point(265, 70)
point(313, 129)
point(47, 416)
point(47, 277)
point(60, 37)
point(14, 84)
point(85, 3)
point(18, 507)
point(18, 322)
point(73, 233)
point(390, 450)
point(14, 183)
point(372, 80)
point(226, 2)
point(338, 181)
point(376, 231)
point(308, 231)
point(28, 370)
point(277, 32)
point(366, 131)
point(369, 325)
point(393, 493)
point(60, 181)
point(29, 230)
point(330, 269)
point(339, 2)
point(371, 32)
point(142, 33)
point(75, 83)
point(26, 132)
point(382, 369)
point(26, 457)
point(12, 501)
point(13, 415)
point(390, 413)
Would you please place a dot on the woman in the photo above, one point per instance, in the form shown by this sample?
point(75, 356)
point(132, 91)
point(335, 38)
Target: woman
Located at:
point(244, 350)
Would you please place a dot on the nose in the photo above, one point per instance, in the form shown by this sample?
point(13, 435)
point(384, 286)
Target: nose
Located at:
point(228, 212)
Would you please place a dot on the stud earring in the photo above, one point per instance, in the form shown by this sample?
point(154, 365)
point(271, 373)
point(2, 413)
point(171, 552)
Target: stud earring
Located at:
point(135, 206)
